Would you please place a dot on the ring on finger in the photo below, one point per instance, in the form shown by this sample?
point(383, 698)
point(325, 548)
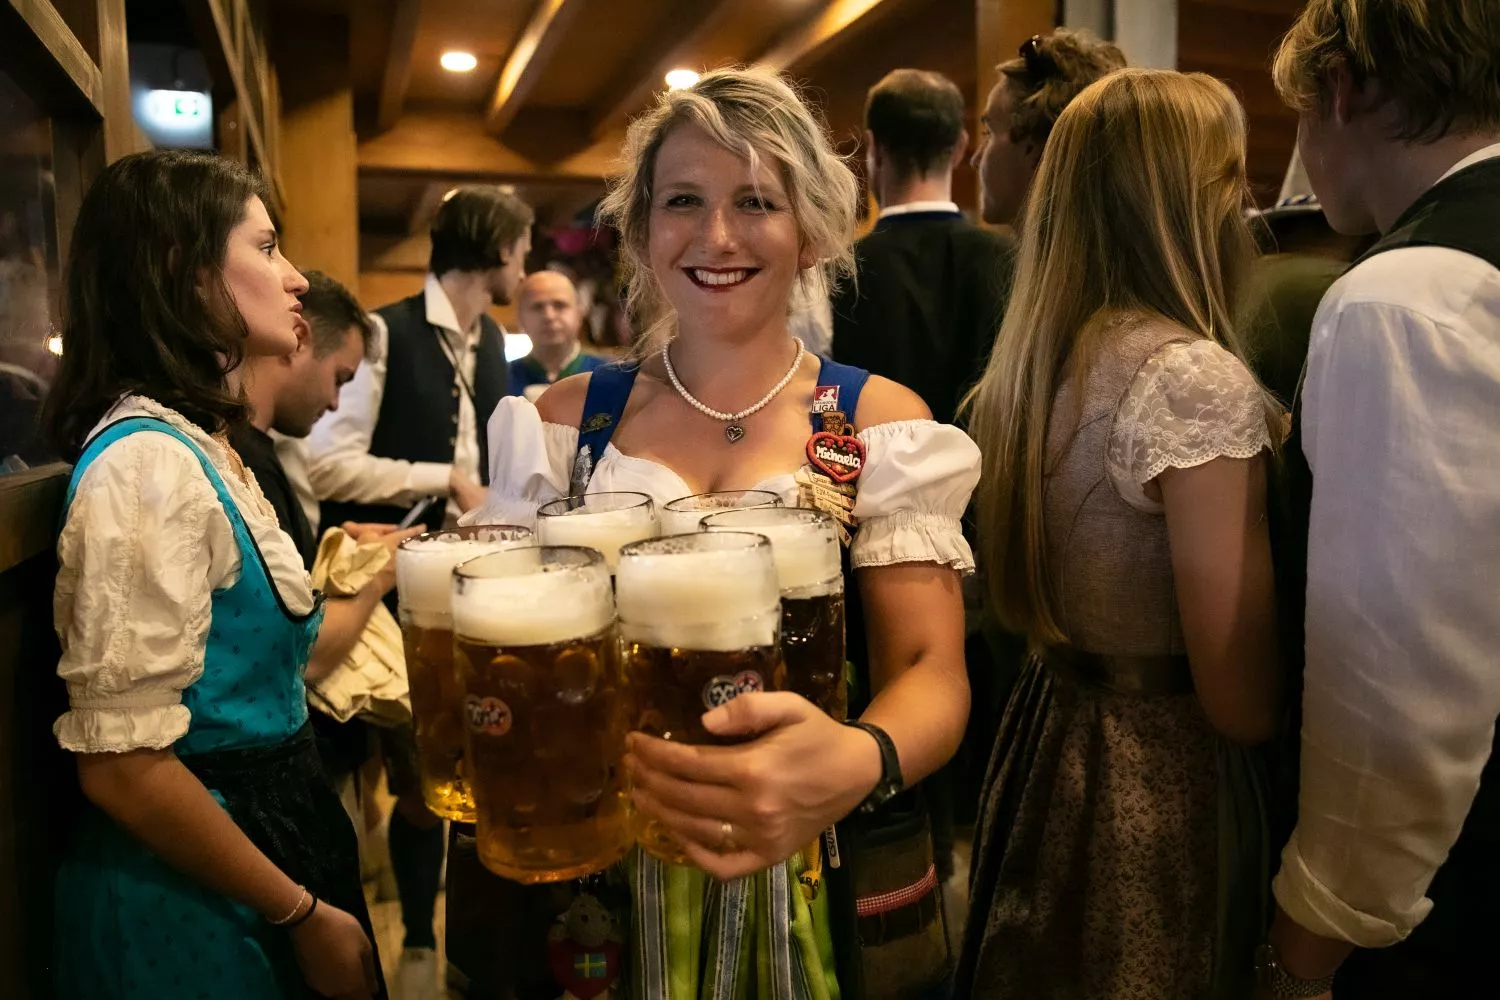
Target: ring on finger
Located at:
point(726, 837)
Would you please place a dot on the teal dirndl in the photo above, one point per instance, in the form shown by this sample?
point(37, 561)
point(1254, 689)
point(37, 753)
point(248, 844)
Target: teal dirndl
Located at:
point(128, 926)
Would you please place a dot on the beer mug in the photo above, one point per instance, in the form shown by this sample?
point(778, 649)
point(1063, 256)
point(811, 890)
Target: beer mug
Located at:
point(603, 521)
point(424, 570)
point(699, 621)
point(683, 515)
point(535, 649)
point(805, 544)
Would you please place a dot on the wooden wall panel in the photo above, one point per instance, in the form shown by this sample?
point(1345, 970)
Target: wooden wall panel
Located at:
point(38, 789)
point(316, 147)
point(1235, 41)
point(99, 26)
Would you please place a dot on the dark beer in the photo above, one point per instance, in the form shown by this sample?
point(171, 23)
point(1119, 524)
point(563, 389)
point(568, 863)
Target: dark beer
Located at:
point(699, 620)
point(424, 566)
point(812, 644)
point(545, 715)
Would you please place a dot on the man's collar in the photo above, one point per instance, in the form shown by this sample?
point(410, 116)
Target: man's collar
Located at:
point(1478, 156)
point(440, 312)
point(912, 207)
point(533, 362)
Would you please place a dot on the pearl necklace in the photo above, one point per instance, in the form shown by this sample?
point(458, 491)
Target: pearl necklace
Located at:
point(733, 430)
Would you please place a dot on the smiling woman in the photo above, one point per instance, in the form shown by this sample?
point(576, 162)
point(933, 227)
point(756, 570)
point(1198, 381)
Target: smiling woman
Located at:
point(732, 198)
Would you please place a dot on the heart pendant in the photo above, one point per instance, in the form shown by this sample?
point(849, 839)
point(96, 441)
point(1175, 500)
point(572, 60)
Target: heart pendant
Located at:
point(734, 432)
point(840, 457)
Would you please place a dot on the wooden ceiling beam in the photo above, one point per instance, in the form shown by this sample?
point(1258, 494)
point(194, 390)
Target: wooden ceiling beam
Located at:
point(528, 58)
point(426, 206)
point(825, 31)
point(396, 77)
point(440, 145)
point(687, 26)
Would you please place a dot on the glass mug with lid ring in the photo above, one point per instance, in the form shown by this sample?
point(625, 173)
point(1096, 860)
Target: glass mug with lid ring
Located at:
point(809, 571)
point(602, 521)
point(544, 702)
point(424, 567)
point(683, 515)
point(700, 619)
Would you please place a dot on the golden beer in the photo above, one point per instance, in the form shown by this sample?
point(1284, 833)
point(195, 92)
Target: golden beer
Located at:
point(536, 652)
point(424, 567)
point(806, 548)
point(699, 621)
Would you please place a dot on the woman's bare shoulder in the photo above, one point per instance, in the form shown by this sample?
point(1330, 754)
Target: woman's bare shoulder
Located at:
point(883, 402)
point(562, 403)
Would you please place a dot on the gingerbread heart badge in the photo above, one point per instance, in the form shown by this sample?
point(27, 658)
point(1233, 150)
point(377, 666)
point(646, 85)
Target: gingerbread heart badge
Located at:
point(840, 457)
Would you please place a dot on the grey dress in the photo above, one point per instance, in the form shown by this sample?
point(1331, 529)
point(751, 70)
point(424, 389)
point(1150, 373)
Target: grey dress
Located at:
point(1120, 851)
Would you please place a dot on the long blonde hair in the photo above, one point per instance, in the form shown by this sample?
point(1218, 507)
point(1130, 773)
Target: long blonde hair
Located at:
point(752, 113)
point(1136, 209)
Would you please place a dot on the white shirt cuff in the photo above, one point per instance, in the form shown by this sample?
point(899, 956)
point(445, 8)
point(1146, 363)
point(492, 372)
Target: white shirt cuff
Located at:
point(428, 479)
point(1314, 907)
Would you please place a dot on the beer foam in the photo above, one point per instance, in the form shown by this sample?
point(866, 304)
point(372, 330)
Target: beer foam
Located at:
point(603, 530)
point(424, 574)
point(806, 556)
point(683, 522)
point(806, 551)
point(533, 605)
point(717, 599)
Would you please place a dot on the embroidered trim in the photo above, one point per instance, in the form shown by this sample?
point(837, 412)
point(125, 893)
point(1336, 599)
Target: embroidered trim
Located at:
point(885, 902)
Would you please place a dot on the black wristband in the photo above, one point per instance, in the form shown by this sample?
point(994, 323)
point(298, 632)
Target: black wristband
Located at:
point(891, 783)
point(302, 919)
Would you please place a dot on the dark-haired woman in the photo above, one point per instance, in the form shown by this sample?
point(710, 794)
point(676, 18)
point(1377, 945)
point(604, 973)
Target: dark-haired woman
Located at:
point(212, 859)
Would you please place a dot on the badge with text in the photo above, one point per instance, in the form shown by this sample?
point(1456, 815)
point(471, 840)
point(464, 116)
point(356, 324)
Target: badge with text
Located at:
point(489, 716)
point(724, 688)
point(835, 458)
point(839, 456)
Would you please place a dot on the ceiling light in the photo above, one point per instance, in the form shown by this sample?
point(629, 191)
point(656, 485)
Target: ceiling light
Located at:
point(681, 79)
point(458, 62)
point(54, 344)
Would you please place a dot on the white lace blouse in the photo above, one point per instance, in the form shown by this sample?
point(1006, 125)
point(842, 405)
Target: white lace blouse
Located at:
point(917, 480)
point(145, 544)
point(1190, 403)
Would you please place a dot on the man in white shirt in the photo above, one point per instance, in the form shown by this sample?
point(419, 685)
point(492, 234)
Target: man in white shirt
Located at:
point(1396, 851)
point(412, 422)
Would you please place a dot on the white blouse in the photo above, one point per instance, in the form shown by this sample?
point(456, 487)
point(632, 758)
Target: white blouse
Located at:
point(917, 480)
point(1191, 402)
point(145, 544)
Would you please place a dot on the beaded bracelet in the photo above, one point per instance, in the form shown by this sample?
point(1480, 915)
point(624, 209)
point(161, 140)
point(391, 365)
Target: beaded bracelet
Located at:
point(299, 921)
point(286, 920)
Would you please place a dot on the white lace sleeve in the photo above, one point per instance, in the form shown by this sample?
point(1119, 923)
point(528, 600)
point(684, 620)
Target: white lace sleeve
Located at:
point(1189, 404)
point(531, 462)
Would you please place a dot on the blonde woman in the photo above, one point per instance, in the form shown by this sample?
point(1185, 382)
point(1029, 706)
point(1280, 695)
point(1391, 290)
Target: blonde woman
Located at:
point(1119, 852)
point(733, 197)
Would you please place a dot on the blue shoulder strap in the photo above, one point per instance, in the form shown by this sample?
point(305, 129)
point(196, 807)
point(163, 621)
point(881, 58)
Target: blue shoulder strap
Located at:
point(850, 381)
point(130, 425)
point(604, 404)
point(249, 548)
